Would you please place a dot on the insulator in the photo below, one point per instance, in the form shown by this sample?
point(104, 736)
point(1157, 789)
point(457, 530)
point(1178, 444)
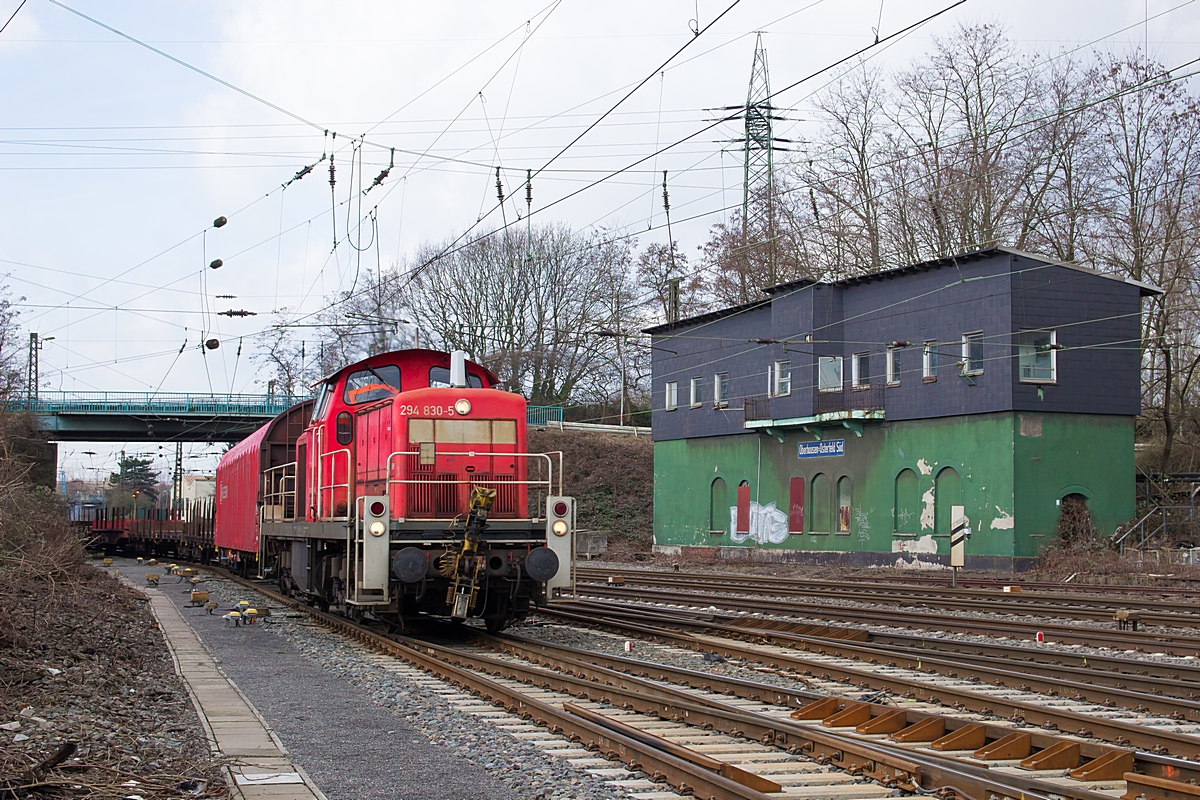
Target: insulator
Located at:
point(219, 222)
point(216, 264)
point(212, 344)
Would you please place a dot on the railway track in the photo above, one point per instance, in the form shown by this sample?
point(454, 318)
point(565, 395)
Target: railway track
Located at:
point(715, 737)
point(1186, 589)
point(1184, 614)
point(1173, 691)
point(732, 599)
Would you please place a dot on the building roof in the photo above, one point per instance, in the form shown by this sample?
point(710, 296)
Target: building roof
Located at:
point(1145, 289)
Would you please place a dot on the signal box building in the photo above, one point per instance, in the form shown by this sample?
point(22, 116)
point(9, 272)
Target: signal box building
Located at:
point(845, 419)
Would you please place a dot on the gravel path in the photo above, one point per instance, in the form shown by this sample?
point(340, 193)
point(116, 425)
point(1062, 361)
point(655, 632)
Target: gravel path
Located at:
point(360, 731)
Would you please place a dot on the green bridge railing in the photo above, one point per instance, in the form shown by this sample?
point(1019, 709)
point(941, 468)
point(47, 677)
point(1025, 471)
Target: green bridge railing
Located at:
point(160, 403)
point(155, 403)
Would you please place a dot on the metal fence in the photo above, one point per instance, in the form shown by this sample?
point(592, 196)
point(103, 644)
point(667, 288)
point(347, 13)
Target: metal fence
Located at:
point(756, 408)
point(543, 415)
point(851, 398)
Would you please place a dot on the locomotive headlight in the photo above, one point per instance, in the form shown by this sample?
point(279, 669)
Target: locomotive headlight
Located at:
point(559, 527)
point(377, 528)
point(463, 407)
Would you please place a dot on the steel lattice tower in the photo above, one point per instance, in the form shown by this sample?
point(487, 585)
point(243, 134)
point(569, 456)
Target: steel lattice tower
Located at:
point(758, 187)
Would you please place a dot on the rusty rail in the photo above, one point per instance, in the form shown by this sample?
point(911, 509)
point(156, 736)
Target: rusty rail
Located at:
point(890, 765)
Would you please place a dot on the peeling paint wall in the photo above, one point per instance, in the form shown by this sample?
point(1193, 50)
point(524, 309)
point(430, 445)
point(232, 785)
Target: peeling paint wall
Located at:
point(1013, 516)
point(925, 544)
point(927, 510)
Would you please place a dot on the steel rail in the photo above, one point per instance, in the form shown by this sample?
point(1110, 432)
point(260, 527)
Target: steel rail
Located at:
point(1025, 677)
point(679, 773)
point(1128, 673)
point(610, 668)
point(959, 599)
point(886, 763)
point(1140, 675)
point(894, 764)
point(1073, 634)
point(1047, 593)
point(1117, 732)
point(895, 588)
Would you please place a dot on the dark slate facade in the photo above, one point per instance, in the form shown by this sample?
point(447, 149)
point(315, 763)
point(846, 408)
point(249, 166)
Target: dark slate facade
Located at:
point(995, 292)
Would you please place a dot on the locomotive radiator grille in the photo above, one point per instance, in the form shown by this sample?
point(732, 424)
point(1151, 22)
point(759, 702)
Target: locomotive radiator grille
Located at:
point(443, 495)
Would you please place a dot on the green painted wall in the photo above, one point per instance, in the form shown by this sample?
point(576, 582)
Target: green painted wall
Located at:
point(1086, 454)
point(980, 461)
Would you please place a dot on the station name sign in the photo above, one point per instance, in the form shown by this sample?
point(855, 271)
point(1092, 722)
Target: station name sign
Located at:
point(831, 447)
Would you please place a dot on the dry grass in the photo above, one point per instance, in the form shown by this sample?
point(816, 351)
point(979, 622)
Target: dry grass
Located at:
point(36, 539)
point(612, 478)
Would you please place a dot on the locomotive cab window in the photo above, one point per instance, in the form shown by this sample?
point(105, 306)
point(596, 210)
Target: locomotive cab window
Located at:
point(367, 385)
point(345, 428)
point(439, 378)
point(323, 395)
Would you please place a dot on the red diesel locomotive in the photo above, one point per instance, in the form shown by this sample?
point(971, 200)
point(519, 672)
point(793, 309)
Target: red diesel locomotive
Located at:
point(404, 488)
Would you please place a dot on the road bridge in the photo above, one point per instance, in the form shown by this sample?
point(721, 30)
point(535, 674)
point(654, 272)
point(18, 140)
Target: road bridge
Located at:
point(152, 416)
point(200, 417)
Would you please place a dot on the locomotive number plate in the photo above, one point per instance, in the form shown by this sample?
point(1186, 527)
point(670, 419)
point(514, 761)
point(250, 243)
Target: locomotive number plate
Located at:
point(427, 411)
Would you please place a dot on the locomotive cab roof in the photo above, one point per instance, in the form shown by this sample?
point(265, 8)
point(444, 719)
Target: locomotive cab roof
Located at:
point(416, 357)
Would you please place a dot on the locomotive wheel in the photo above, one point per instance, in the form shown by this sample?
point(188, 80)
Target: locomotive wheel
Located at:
point(496, 624)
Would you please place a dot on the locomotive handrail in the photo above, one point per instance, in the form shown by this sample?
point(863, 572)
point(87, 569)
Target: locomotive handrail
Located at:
point(276, 492)
point(332, 486)
point(548, 482)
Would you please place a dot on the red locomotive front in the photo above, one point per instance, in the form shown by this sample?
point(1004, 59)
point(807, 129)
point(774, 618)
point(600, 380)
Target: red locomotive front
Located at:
point(412, 491)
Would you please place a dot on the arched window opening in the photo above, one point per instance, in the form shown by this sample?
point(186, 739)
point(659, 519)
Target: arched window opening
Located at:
point(822, 512)
point(948, 492)
point(1075, 522)
point(906, 513)
point(845, 495)
point(718, 507)
point(743, 507)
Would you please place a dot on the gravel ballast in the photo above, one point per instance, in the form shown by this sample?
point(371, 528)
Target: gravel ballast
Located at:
point(361, 731)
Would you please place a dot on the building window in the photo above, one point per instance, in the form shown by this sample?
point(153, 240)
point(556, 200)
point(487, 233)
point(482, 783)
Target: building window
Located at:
point(845, 490)
point(829, 373)
point(1036, 351)
point(860, 370)
point(672, 399)
point(721, 389)
point(972, 353)
point(783, 378)
point(893, 366)
point(929, 359)
point(697, 389)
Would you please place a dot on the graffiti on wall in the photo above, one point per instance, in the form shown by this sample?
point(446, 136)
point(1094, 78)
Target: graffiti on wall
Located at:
point(768, 525)
point(862, 522)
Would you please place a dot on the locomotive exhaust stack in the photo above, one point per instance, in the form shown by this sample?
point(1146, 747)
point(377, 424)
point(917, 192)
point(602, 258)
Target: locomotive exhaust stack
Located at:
point(458, 369)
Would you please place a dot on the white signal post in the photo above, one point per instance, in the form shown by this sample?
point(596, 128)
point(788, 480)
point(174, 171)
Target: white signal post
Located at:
point(960, 532)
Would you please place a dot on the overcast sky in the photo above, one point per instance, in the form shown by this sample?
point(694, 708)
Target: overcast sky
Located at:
point(114, 159)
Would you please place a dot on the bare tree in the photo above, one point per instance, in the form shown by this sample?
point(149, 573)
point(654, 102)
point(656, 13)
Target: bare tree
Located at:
point(1151, 143)
point(13, 349)
point(528, 305)
point(657, 266)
